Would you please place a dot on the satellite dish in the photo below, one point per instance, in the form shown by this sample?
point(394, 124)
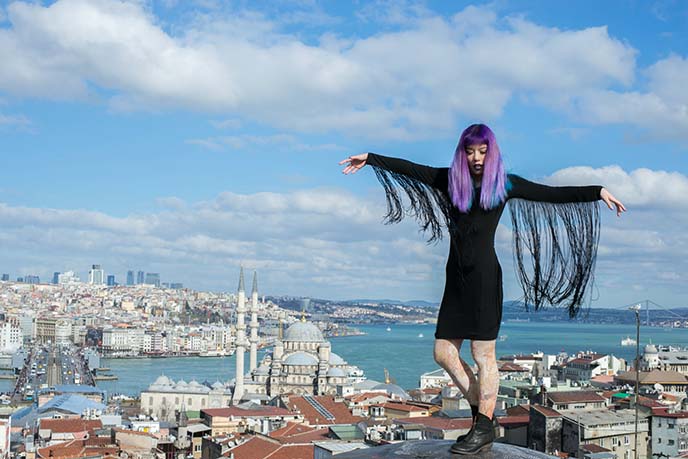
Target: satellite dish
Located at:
point(658, 387)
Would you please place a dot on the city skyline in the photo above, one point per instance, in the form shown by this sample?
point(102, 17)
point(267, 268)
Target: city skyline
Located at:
point(144, 163)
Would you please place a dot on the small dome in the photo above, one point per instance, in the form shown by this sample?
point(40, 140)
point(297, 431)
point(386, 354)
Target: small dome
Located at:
point(181, 385)
point(303, 332)
point(393, 390)
point(195, 384)
point(163, 381)
point(336, 360)
point(651, 349)
point(262, 370)
point(218, 385)
point(300, 358)
point(336, 372)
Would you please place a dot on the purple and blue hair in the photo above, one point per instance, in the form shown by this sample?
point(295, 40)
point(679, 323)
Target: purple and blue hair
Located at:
point(494, 181)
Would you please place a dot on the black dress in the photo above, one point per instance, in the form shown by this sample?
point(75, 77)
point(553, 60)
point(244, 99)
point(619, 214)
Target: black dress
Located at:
point(471, 305)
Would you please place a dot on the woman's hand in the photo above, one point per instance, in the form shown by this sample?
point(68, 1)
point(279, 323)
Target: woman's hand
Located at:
point(354, 163)
point(612, 202)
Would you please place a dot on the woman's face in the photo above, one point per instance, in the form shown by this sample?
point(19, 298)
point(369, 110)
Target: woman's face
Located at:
point(475, 155)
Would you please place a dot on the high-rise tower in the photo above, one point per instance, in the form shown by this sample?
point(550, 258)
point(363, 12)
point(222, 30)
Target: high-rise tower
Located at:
point(240, 340)
point(253, 340)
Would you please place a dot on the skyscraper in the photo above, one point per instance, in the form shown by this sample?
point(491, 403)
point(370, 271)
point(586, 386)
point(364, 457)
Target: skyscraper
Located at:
point(140, 277)
point(56, 277)
point(111, 280)
point(130, 277)
point(5, 277)
point(153, 279)
point(96, 275)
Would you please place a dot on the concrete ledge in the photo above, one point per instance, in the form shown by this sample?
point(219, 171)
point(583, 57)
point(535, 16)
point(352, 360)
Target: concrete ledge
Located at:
point(439, 449)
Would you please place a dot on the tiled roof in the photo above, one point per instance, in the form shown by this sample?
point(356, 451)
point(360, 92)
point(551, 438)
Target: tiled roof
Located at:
point(240, 412)
point(299, 433)
point(265, 448)
point(339, 410)
point(579, 396)
point(70, 425)
point(439, 423)
point(548, 412)
point(593, 448)
point(402, 407)
point(76, 449)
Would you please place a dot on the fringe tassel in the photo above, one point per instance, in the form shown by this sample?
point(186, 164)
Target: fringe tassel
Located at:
point(562, 241)
point(429, 206)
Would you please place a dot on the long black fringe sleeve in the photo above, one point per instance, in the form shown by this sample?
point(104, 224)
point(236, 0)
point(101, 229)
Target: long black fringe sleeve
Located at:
point(424, 186)
point(559, 227)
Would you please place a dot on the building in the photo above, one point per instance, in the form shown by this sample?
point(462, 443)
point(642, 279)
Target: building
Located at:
point(544, 432)
point(130, 277)
point(669, 433)
point(587, 366)
point(140, 277)
point(96, 276)
point(435, 378)
point(56, 277)
point(5, 277)
point(165, 397)
point(111, 280)
point(68, 277)
point(153, 279)
point(263, 419)
point(669, 380)
point(11, 337)
point(613, 430)
point(31, 279)
point(575, 400)
point(45, 330)
point(122, 341)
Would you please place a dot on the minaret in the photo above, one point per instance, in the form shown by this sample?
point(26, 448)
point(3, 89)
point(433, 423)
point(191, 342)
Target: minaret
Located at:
point(240, 341)
point(253, 356)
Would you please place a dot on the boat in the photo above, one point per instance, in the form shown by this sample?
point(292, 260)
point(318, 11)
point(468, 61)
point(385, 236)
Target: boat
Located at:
point(389, 329)
point(420, 335)
point(628, 341)
point(503, 337)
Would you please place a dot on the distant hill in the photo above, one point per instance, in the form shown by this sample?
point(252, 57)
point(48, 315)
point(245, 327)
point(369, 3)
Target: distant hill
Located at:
point(414, 303)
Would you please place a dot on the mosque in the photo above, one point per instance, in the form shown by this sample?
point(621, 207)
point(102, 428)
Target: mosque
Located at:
point(302, 362)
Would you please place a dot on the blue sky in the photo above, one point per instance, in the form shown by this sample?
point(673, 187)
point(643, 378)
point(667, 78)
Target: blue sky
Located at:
point(187, 137)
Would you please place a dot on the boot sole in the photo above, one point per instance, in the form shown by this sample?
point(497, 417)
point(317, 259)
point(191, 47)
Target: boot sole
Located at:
point(485, 447)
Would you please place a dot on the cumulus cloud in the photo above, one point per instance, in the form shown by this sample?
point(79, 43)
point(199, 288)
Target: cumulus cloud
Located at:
point(243, 65)
point(331, 243)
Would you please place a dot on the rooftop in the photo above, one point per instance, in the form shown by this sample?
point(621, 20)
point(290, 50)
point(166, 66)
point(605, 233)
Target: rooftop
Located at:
point(439, 449)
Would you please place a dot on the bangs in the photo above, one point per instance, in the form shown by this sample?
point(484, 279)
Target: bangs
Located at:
point(476, 137)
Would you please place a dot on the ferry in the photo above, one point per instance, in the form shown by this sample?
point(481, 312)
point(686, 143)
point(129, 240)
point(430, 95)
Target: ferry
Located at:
point(420, 335)
point(389, 329)
point(628, 341)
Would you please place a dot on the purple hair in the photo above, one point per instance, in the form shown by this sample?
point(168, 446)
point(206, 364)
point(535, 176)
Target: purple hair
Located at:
point(494, 181)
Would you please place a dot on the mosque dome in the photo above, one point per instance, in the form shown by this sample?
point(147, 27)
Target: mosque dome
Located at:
point(393, 390)
point(262, 370)
point(218, 385)
point(303, 331)
point(163, 381)
point(651, 349)
point(300, 358)
point(336, 360)
point(336, 372)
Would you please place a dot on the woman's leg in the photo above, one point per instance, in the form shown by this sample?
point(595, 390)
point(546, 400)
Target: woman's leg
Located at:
point(448, 356)
point(488, 375)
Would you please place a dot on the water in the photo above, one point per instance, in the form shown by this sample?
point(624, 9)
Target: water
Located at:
point(405, 355)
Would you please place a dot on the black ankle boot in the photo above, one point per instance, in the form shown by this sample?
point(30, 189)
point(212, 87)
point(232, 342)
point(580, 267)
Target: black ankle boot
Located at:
point(478, 439)
point(474, 413)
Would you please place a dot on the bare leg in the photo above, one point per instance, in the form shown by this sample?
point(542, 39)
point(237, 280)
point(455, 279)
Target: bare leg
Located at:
point(447, 355)
point(488, 375)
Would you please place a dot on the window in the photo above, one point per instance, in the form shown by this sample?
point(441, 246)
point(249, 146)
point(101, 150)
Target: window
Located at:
point(670, 426)
point(150, 401)
point(190, 401)
point(627, 440)
point(670, 442)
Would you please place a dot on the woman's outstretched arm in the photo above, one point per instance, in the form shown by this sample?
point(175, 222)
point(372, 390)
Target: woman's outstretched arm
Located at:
point(432, 176)
point(525, 189)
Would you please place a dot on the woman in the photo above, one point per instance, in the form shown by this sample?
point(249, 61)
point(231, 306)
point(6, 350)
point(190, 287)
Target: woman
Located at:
point(559, 226)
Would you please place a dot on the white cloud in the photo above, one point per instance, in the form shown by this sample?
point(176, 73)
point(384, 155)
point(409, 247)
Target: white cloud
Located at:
point(243, 66)
point(321, 242)
point(16, 121)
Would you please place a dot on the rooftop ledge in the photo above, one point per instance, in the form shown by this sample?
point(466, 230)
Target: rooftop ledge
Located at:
point(439, 449)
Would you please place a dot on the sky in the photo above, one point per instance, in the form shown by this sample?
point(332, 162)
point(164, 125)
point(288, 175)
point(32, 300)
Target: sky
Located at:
point(191, 137)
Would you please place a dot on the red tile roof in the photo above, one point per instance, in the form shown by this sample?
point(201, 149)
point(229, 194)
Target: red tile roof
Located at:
point(339, 410)
point(70, 425)
point(548, 412)
point(260, 447)
point(575, 396)
point(266, 411)
point(299, 433)
point(76, 449)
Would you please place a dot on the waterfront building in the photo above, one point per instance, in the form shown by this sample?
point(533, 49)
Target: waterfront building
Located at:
point(165, 397)
point(96, 276)
point(140, 277)
point(613, 430)
point(122, 341)
point(586, 366)
point(130, 277)
point(63, 331)
point(669, 434)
